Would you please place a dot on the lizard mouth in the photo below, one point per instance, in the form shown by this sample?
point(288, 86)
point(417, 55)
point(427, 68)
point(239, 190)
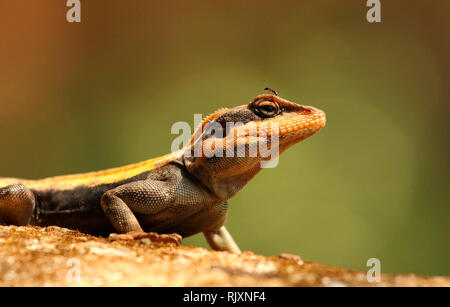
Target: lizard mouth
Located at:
point(298, 126)
point(302, 123)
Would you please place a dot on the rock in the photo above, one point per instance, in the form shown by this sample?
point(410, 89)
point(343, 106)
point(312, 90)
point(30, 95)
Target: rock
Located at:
point(35, 256)
point(292, 257)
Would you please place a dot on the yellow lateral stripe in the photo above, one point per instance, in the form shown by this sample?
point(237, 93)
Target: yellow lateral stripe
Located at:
point(92, 178)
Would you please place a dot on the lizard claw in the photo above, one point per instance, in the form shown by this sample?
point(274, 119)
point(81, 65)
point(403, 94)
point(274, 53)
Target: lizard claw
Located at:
point(152, 236)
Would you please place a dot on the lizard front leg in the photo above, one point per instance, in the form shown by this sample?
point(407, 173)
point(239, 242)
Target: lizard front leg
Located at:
point(176, 199)
point(145, 197)
point(221, 240)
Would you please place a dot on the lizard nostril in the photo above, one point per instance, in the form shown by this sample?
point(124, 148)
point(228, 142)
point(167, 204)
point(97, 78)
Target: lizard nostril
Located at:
point(310, 110)
point(306, 110)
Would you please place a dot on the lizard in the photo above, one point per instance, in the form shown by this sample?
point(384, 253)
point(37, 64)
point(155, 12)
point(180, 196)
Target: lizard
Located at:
point(170, 197)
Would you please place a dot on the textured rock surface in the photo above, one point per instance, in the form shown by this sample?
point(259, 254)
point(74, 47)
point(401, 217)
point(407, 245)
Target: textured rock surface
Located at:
point(34, 256)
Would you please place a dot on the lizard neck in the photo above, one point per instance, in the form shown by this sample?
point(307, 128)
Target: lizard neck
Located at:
point(223, 176)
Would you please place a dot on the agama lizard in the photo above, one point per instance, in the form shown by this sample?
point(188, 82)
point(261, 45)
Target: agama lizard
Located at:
point(178, 194)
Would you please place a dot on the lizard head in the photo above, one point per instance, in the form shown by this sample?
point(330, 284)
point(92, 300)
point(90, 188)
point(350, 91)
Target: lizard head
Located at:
point(228, 148)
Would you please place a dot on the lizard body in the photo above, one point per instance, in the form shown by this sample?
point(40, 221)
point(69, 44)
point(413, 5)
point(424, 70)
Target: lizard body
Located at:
point(181, 192)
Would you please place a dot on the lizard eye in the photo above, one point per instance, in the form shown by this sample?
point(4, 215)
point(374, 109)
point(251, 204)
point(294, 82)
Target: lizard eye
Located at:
point(267, 109)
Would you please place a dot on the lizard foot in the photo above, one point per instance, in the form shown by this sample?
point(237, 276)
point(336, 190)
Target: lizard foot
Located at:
point(152, 236)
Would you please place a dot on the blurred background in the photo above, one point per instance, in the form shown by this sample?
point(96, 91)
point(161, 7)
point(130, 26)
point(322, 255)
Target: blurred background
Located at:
point(373, 183)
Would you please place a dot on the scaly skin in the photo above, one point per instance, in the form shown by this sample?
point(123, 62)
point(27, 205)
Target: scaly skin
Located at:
point(184, 192)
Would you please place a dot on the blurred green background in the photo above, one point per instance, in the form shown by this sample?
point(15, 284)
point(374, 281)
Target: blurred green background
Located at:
point(373, 183)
